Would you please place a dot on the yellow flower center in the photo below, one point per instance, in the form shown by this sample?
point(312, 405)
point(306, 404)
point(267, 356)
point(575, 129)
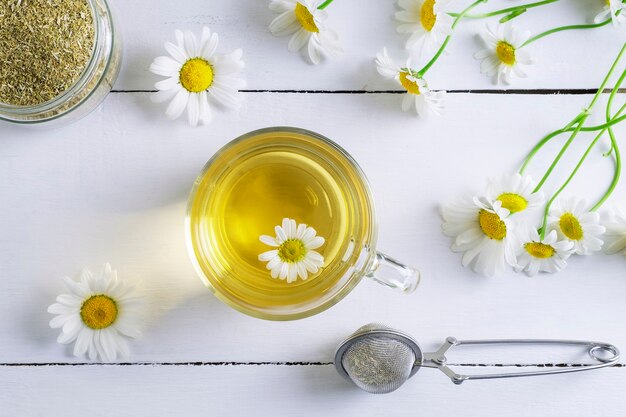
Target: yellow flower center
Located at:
point(409, 85)
point(292, 250)
point(570, 226)
point(98, 311)
point(492, 225)
point(539, 250)
point(427, 15)
point(196, 75)
point(513, 202)
point(305, 18)
point(505, 52)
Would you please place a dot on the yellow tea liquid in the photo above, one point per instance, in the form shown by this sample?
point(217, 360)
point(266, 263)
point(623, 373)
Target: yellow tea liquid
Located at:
point(247, 189)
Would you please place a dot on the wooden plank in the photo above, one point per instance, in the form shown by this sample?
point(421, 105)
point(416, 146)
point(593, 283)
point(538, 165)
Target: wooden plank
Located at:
point(574, 59)
point(113, 188)
point(293, 390)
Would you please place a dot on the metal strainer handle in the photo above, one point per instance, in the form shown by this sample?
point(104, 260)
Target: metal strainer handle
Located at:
point(603, 353)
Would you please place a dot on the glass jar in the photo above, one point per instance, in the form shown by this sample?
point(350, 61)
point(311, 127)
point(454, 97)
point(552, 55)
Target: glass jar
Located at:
point(89, 90)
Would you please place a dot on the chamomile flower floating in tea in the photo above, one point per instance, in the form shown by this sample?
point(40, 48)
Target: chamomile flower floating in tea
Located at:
point(304, 21)
point(418, 95)
point(483, 231)
point(611, 9)
point(425, 21)
point(295, 254)
point(537, 254)
point(196, 75)
point(99, 313)
point(515, 192)
point(573, 222)
point(503, 56)
point(615, 236)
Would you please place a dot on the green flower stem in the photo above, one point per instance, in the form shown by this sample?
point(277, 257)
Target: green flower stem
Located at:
point(618, 166)
point(562, 28)
point(580, 120)
point(569, 128)
point(324, 5)
point(505, 11)
point(430, 63)
point(613, 121)
point(614, 147)
point(566, 183)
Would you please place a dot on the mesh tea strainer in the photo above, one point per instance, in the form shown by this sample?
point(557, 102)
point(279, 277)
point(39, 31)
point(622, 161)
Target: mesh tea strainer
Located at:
point(379, 359)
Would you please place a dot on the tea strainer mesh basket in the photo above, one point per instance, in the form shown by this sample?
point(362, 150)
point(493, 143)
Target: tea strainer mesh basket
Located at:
point(378, 359)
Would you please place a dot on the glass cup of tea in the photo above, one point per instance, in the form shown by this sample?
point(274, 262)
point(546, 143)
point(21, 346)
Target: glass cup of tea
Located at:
point(281, 225)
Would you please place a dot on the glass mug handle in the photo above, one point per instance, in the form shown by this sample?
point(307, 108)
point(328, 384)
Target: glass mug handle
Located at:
point(391, 273)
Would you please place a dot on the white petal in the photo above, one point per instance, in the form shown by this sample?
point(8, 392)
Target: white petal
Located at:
point(167, 84)
point(193, 109)
point(205, 108)
point(125, 327)
point(284, 271)
point(281, 236)
point(302, 272)
point(178, 104)
point(58, 308)
point(164, 95)
point(292, 275)
point(298, 40)
point(165, 66)
point(283, 22)
point(280, 6)
point(268, 256)
point(82, 342)
point(315, 243)
point(226, 96)
point(269, 240)
point(79, 289)
point(59, 321)
point(191, 44)
point(92, 350)
point(176, 52)
point(108, 338)
point(65, 338)
point(274, 263)
point(313, 51)
point(301, 231)
point(122, 347)
point(209, 48)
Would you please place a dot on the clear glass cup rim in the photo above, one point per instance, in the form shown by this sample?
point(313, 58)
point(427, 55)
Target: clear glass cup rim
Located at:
point(342, 291)
point(77, 86)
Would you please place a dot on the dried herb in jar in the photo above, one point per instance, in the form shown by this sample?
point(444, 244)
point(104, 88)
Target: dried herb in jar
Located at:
point(44, 47)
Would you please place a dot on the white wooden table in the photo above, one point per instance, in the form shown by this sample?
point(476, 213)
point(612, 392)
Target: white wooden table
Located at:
point(113, 187)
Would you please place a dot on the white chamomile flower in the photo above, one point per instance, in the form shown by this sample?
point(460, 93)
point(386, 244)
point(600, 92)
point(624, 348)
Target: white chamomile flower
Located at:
point(426, 22)
point(613, 9)
point(418, 95)
point(483, 231)
point(100, 313)
point(541, 255)
point(195, 75)
point(572, 222)
point(503, 55)
point(295, 254)
point(305, 22)
point(615, 236)
point(515, 192)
